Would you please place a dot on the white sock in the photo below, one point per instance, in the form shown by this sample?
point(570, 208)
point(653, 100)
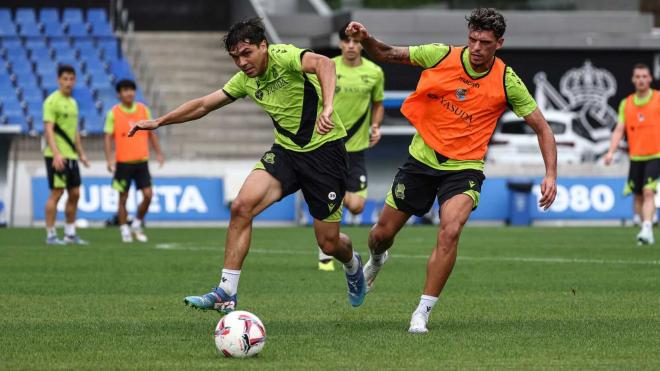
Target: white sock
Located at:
point(137, 223)
point(323, 256)
point(647, 225)
point(426, 304)
point(229, 281)
point(69, 229)
point(51, 232)
point(377, 259)
point(125, 230)
point(352, 266)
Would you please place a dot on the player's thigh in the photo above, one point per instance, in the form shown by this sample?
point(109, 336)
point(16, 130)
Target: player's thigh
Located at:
point(259, 191)
point(142, 177)
point(651, 175)
point(121, 180)
point(73, 179)
point(57, 179)
point(327, 233)
point(414, 188)
point(390, 222)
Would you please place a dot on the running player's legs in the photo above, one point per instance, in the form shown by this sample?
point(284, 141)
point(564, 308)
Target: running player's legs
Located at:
point(259, 191)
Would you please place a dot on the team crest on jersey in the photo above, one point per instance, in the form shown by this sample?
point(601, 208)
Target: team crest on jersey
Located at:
point(461, 93)
point(269, 158)
point(365, 78)
point(640, 117)
point(259, 94)
point(400, 191)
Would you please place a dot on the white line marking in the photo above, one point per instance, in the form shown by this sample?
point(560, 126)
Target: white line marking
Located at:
point(521, 259)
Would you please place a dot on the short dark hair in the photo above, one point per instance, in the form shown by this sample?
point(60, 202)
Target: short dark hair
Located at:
point(65, 68)
point(125, 84)
point(642, 66)
point(487, 19)
point(342, 32)
point(251, 31)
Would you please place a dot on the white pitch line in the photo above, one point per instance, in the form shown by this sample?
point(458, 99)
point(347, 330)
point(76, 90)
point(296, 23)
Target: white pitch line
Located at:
point(521, 259)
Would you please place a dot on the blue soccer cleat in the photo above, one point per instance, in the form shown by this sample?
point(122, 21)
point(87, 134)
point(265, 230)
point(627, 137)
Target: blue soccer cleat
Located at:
point(357, 286)
point(74, 240)
point(54, 241)
point(217, 299)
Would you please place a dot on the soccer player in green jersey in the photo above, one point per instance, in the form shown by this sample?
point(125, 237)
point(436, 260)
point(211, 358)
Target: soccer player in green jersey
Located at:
point(295, 87)
point(451, 118)
point(62, 152)
point(359, 102)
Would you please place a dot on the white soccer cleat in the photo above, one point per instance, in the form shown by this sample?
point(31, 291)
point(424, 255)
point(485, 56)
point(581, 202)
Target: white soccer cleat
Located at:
point(645, 237)
point(418, 324)
point(371, 270)
point(126, 238)
point(139, 235)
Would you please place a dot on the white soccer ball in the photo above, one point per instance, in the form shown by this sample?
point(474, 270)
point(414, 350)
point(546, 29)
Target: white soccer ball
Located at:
point(240, 334)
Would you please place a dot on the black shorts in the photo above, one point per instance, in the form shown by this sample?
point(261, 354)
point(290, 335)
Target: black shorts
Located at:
point(320, 174)
point(125, 173)
point(68, 178)
point(357, 173)
point(642, 174)
point(417, 185)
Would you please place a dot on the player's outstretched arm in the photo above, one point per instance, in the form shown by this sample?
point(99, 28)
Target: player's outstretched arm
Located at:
point(549, 152)
point(617, 135)
point(189, 111)
point(324, 68)
point(376, 49)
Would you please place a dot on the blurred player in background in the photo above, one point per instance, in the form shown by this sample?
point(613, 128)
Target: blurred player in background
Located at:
point(131, 160)
point(296, 88)
point(359, 102)
point(639, 118)
point(62, 152)
point(459, 98)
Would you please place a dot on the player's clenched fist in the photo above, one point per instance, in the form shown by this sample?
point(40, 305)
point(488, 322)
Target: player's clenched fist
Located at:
point(357, 31)
point(142, 125)
point(324, 122)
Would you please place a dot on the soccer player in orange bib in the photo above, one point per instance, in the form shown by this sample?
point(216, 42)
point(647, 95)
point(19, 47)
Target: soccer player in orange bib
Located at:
point(459, 98)
point(131, 161)
point(639, 118)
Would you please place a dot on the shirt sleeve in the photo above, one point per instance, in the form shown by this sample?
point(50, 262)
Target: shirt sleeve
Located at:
point(622, 111)
point(109, 127)
point(149, 116)
point(235, 87)
point(288, 56)
point(378, 91)
point(427, 55)
point(520, 100)
point(50, 114)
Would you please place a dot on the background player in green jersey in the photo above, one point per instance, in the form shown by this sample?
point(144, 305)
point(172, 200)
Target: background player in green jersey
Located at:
point(62, 152)
point(359, 102)
point(296, 88)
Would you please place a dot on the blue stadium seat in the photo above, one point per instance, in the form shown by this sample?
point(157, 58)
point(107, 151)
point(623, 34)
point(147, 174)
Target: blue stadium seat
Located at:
point(5, 15)
point(49, 15)
point(77, 30)
point(72, 15)
point(102, 29)
point(92, 121)
point(12, 48)
point(12, 43)
point(31, 43)
point(110, 49)
point(99, 82)
point(25, 16)
point(96, 69)
point(60, 44)
point(86, 47)
point(33, 95)
point(53, 29)
point(84, 98)
point(7, 91)
point(30, 30)
point(17, 54)
point(12, 107)
point(49, 86)
point(21, 67)
point(37, 123)
point(92, 62)
point(8, 29)
point(120, 69)
point(38, 53)
point(45, 67)
point(15, 119)
point(61, 54)
point(34, 106)
point(95, 15)
point(27, 81)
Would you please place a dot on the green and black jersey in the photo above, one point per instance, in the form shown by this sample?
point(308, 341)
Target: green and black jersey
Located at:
point(62, 111)
point(357, 87)
point(290, 97)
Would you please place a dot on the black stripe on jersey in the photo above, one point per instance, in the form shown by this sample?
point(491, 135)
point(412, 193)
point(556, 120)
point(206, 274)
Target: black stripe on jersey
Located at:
point(307, 116)
point(357, 125)
point(59, 132)
point(228, 95)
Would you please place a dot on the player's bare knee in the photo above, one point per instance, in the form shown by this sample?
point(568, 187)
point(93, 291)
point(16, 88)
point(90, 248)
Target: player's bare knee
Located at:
point(450, 232)
point(648, 193)
point(357, 207)
point(241, 209)
point(73, 195)
point(147, 194)
point(56, 194)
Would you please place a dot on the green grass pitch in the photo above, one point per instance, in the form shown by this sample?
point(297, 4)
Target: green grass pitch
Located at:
point(528, 298)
